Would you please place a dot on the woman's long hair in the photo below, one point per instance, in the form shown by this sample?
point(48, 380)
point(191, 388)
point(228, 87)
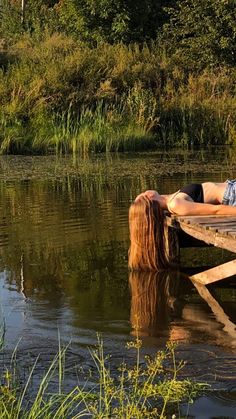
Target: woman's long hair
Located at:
point(147, 240)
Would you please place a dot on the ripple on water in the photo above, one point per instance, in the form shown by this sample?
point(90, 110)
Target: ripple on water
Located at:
point(63, 257)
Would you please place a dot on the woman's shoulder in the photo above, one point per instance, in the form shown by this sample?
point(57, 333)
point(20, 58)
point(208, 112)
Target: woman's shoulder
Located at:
point(174, 202)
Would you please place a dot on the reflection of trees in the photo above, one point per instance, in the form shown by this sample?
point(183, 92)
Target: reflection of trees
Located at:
point(68, 237)
point(67, 211)
point(64, 237)
point(56, 214)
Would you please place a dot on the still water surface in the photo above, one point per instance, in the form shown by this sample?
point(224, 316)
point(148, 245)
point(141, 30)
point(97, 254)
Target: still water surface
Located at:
point(63, 262)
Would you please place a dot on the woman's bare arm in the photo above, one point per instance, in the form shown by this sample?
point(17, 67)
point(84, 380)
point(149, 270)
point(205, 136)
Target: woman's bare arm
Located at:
point(184, 207)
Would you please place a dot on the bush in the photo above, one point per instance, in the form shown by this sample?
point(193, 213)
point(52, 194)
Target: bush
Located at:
point(61, 95)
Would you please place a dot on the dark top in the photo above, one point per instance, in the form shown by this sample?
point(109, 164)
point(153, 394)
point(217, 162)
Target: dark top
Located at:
point(195, 191)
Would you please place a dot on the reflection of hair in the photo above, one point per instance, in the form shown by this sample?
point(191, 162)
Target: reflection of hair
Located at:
point(150, 300)
point(147, 244)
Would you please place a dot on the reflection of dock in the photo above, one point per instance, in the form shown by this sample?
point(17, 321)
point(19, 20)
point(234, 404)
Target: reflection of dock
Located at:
point(195, 231)
point(218, 311)
point(159, 307)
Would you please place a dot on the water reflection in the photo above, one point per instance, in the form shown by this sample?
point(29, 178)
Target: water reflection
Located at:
point(63, 258)
point(158, 303)
point(228, 326)
point(155, 300)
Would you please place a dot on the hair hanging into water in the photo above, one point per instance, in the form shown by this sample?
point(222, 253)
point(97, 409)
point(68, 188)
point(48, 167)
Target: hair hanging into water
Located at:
point(147, 242)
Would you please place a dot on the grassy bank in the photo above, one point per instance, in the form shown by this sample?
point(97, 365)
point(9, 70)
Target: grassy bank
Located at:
point(61, 95)
point(146, 389)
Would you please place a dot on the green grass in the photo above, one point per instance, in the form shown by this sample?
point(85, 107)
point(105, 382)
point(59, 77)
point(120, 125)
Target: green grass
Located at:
point(146, 389)
point(62, 96)
point(102, 129)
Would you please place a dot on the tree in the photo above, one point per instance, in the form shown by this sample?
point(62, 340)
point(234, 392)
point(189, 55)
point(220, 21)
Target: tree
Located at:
point(203, 31)
point(33, 16)
point(23, 11)
point(10, 19)
point(89, 20)
point(113, 20)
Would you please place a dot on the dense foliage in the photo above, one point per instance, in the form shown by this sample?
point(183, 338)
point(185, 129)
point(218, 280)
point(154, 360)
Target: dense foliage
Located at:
point(204, 31)
point(79, 74)
point(91, 20)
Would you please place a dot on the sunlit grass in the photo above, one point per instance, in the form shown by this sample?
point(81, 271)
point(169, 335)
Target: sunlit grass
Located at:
point(103, 129)
point(149, 388)
point(62, 96)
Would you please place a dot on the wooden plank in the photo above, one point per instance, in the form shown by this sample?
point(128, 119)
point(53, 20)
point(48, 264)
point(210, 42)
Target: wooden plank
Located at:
point(208, 225)
point(185, 240)
point(217, 227)
point(173, 220)
point(214, 230)
point(210, 237)
point(218, 224)
point(231, 233)
point(216, 274)
point(203, 221)
point(226, 230)
point(200, 218)
point(219, 237)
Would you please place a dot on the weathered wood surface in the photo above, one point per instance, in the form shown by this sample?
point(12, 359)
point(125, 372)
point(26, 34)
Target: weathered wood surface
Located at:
point(220, 231)
point(216, 274)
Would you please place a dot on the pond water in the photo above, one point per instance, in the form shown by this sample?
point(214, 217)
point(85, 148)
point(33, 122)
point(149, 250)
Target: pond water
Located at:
point(63, 267)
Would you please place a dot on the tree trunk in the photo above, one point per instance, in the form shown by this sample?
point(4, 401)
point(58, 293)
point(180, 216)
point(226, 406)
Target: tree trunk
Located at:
point(23, 2)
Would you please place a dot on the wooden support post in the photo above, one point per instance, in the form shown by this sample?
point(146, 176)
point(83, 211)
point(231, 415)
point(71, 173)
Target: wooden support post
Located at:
point(219, 231)
point(216, 274)
point(172, 244)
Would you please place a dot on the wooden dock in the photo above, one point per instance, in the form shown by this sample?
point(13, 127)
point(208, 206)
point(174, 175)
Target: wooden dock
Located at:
point(195, 231)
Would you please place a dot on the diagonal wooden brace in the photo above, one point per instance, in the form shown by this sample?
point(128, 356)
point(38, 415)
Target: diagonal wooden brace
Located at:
point(216, 274)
